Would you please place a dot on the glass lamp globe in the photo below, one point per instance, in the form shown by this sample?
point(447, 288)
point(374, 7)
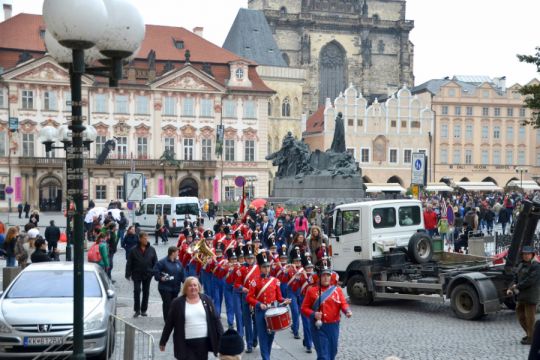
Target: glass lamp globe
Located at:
point(47, 134)
point(76, 24)
point(64, 56)
point(124, 31)
point(90, 134)
point(64, 133)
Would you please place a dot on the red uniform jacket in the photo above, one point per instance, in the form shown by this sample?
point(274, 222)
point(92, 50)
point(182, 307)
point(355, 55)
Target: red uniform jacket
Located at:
point(268, 296)
point(248, 274)
point(294, 277)
point(330, 308)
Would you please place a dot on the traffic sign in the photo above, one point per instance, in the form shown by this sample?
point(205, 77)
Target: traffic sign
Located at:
point(134, 184)
point(240, 181)
point(9, 190)
point(419, 169)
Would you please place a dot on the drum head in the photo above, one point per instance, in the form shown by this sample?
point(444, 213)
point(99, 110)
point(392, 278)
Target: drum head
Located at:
point(276, 311)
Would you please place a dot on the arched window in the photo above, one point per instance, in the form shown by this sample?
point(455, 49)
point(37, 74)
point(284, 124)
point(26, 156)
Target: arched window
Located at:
point(283, 11)
point(332, 71)
point(269, 107)
point(286, 108)
point(286, 59)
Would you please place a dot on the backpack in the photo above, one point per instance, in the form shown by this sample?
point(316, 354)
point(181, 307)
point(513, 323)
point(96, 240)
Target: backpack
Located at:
point(93, 254)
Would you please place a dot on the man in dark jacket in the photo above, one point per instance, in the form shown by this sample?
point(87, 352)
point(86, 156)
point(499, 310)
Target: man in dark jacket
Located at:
point(526, 287)
point(122, 225)
point(52, 235)
point(170, 276)
point(140, 268)
point(20, 209)
point(41, 254)
point(26, 209)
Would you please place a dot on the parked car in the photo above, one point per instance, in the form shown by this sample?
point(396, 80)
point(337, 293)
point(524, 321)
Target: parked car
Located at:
point(36, 312)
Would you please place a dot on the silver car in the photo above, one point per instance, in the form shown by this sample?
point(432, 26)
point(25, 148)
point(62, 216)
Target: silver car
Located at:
point(36, 312)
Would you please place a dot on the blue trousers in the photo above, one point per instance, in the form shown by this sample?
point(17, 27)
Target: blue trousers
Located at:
point(191, 269)
point(308, 339)
point(234, 309)
point(325, 340)
point(205, 279)
point(218, 286)
point(295, 309)
point(248, 322)
point(265, 339)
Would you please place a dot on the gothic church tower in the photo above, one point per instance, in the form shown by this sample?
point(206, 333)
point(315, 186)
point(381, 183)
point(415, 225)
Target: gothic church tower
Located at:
point(338, 42)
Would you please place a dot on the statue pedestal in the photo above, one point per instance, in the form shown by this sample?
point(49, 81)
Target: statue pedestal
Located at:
point(319, 187)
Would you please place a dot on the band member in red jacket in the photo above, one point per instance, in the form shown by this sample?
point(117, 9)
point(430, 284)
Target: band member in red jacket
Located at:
point(323, 305)
point(263, 293)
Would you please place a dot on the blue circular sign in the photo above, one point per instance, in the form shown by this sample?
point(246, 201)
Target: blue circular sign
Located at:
point(418, 164)
point(9, 190)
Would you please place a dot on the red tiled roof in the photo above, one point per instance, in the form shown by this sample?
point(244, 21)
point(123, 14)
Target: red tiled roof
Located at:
point(315, 123)
point(22, 32)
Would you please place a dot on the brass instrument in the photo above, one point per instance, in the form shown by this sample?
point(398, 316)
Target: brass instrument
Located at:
point(202, 252)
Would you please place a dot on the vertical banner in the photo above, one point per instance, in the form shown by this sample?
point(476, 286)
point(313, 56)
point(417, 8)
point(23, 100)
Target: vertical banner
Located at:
point(18, 189)
point(215, 190)
point(161, 186)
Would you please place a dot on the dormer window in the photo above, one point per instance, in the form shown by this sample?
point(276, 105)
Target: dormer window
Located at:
point(239, 73)
point(179, 44)
point(42, 33)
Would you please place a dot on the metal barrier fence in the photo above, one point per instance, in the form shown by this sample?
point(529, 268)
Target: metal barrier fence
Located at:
point(128, 343)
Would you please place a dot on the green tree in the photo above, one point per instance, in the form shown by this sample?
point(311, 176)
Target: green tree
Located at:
point(532, 92)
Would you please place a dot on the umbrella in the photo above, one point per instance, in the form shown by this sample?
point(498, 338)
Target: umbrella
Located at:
point(258, 203)
point(115, 214)
point(97, 211)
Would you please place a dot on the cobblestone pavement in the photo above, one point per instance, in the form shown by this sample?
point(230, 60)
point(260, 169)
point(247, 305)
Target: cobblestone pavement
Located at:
point(407, 329)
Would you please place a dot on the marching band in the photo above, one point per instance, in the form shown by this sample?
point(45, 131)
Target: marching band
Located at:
point(265, 286)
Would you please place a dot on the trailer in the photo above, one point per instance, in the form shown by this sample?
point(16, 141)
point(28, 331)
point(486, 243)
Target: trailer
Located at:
point(381, 251)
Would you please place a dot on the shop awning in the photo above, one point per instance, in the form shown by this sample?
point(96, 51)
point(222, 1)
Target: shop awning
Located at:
point(478, 186)
point(384, 187)
point(437, 187)
point(528, 185)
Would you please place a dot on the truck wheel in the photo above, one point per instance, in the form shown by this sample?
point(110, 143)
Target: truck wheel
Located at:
point(465, 302)
point(358, 291)
point(420, 248)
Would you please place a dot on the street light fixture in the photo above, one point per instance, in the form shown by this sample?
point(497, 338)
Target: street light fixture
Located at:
point(116, 28)
point(521, 170)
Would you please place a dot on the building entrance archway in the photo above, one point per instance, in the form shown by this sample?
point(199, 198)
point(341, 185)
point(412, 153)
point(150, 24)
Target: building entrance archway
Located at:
point(188, 187)
point(50, 194)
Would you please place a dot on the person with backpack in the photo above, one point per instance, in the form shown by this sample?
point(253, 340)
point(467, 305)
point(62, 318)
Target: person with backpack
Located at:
point(99, 252)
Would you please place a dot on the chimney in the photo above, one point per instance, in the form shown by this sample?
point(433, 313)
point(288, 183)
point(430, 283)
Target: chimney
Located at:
point(198, 31)
point(7, 11)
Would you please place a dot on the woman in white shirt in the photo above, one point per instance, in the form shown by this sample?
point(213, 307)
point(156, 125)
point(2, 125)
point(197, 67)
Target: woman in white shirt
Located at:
point(197, 326)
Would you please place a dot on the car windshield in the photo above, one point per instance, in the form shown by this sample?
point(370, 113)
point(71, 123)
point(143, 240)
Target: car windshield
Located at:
point(52, 284)
point(191, 209)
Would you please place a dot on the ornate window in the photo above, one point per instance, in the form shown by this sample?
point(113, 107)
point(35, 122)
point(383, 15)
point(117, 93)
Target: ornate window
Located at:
point(332, 73)
point(188, 107)
point(100, 103)
point(100, 142)
point(101, 192)
point(28, 145)
point(229, 150)
point(249, 147)
point(229, 108)
point(141, 104)
point(249, 109)
point(269, 107)
point(3, 143)
point(169, 145)
point(49, 100)
point(169, 107)
point(121, 147)
point(121, 105)
point(286, 108)
point(206, 107)
point(206, 149)
point(27, 99)
point(142, 148)
point(188, 149)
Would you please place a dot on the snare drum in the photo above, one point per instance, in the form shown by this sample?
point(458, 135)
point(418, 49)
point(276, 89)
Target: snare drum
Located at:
point(278, 318)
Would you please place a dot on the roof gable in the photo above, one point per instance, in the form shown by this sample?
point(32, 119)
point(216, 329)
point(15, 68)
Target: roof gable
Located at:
point(187, 78)
point(42, 70)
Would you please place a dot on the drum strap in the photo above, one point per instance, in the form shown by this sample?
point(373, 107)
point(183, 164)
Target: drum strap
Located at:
point(246, 279)
point(263, 289)
point(324, 296)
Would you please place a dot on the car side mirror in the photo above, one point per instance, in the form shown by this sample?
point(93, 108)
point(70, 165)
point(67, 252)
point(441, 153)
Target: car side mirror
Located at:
point(110, 294)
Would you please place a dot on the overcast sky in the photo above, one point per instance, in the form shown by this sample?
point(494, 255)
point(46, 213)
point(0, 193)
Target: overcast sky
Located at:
point(451, 37)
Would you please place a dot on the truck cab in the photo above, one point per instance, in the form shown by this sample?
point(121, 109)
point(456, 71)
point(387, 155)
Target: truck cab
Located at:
point(369, 231)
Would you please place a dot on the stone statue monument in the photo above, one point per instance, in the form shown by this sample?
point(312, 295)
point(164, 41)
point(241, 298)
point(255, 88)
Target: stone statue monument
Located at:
point(305, 174)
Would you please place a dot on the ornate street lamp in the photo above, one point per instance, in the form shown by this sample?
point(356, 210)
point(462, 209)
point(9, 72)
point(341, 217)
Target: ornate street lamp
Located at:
point(49, 135)
point(116, 29)
point(520, 171)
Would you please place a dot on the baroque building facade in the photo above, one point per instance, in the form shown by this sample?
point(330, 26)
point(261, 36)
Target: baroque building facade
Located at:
point(170, 100)
point(381, 136)
point(337, 42)
point(480, 132)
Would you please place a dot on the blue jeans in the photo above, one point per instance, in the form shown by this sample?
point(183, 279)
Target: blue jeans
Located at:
point(295, 309)
point(265, 338)
point(308, 339)
point(248, 322)
point(10, 261)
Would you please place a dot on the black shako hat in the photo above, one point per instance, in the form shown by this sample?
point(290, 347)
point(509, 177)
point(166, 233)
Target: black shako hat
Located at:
point(231, 343)
point(263, 258)
point(296, 254)
point(249, 251)
point(231, 254)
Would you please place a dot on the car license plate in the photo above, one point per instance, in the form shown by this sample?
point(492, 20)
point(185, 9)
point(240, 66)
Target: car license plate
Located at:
point(42, 340)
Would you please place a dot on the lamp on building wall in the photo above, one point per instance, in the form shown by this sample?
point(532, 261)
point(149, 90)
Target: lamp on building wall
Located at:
point(520, 171)
point(116, 29)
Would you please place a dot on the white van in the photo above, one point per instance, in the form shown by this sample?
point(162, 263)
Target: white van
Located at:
point(177, 210)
